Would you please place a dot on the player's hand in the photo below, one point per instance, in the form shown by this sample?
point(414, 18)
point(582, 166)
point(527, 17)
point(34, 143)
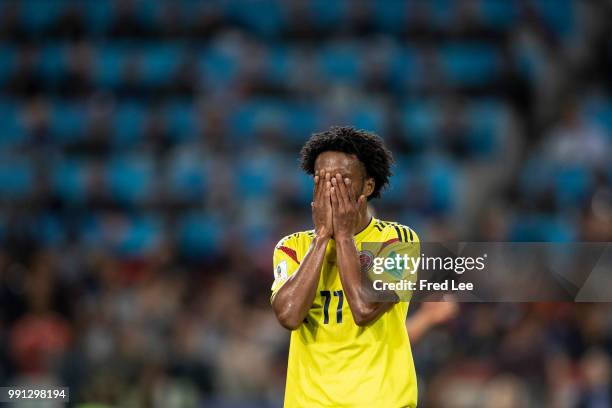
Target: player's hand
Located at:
point(346, 207)
point(321, 206)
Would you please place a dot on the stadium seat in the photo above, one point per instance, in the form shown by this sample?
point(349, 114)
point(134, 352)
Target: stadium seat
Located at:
point(198, 235)
point(110, 63)
point(255, 175)
point(159, 63)
point(53, 62)
point(181, 118)
point(70, 179)
point(7, 56)
point(51, 229)
point(124, 235)
point(130, 178)
point(187, 175)
point(420, 122)
point(38, 15)
point(218, 66)
point(572, 186)
point(16, 177)
point(541, 228)
point(68, 122)
point(340, 63)
point(99, 16)
point(12, 132)
point(498, 14)
point(129, 124)
point(470, 64)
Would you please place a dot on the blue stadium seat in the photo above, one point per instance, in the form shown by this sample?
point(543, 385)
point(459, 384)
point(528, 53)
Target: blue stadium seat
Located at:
point(99, 15)
point(369, 116)
point(50, 229)
point(12, 132)
point(130, 118)
point(53, 61)
point(405, 70)
point(498, 14)
point(16, 177)
point(390, 15)
point(256, 114)
point(487, 121)
point(7, 56)
point(198, 235)
point(573, 185)
point(187, 175)
point(558, 14)
point(38, 15)
point(441, 12)
point(69, 179)
point(303, 183)
point(131, 178)
point(218, 66)
point(542, 228)
point(302, 119)
point(441, 179)
point(279, 65)
point(266, 18)
point(420, 122)
point(110, 62)
point(535, 177)
point(142, 235)
point(470, 64)
point(181, 118)
point(256, 175)
point(68, 121)
point(400, 184)
point(599, 110)
point(125, 235)
point(328, 13)
point(340, 63)
point(159, 63)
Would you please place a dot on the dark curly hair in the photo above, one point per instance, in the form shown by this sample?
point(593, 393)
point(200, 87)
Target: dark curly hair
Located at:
point(368, 147)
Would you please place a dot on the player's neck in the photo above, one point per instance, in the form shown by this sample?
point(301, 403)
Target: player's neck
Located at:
point(363, 222)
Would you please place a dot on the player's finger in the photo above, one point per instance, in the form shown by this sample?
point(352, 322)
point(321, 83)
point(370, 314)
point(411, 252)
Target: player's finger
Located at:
point(335, 191)
point(344, 191)
point(328, 193)
point(349, 189)
point(334, 197)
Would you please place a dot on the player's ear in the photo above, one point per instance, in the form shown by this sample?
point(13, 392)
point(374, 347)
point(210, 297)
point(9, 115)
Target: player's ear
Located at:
point(368, 186)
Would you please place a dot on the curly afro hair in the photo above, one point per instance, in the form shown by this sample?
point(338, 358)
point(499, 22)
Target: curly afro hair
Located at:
point(368, 147)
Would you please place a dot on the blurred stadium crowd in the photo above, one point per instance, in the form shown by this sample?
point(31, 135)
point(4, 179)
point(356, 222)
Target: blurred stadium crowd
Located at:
point(148, 166)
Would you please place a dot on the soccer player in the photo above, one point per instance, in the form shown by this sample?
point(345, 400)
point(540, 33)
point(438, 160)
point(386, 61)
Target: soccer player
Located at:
point(345, 350)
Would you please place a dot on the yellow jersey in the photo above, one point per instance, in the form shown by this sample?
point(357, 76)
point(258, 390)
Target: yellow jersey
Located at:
point(332, 361)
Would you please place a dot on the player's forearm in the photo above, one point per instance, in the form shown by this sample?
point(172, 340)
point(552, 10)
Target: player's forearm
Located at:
point(363, 311)
point(418, 325)
point(293, 300)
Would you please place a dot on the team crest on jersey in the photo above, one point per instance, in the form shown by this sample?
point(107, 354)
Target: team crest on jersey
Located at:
point(366, 259)
point(281, 271)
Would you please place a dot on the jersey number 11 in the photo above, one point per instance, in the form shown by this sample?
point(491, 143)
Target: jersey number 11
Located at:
point(327, 295)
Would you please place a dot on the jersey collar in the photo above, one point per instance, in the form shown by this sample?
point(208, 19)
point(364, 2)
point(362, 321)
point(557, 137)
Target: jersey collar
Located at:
point(364, 232)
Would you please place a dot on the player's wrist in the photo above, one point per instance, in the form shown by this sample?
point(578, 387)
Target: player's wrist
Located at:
point(344, 237)
point(323, 235)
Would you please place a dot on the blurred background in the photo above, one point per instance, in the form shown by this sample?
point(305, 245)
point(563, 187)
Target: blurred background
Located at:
point(148, 166)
